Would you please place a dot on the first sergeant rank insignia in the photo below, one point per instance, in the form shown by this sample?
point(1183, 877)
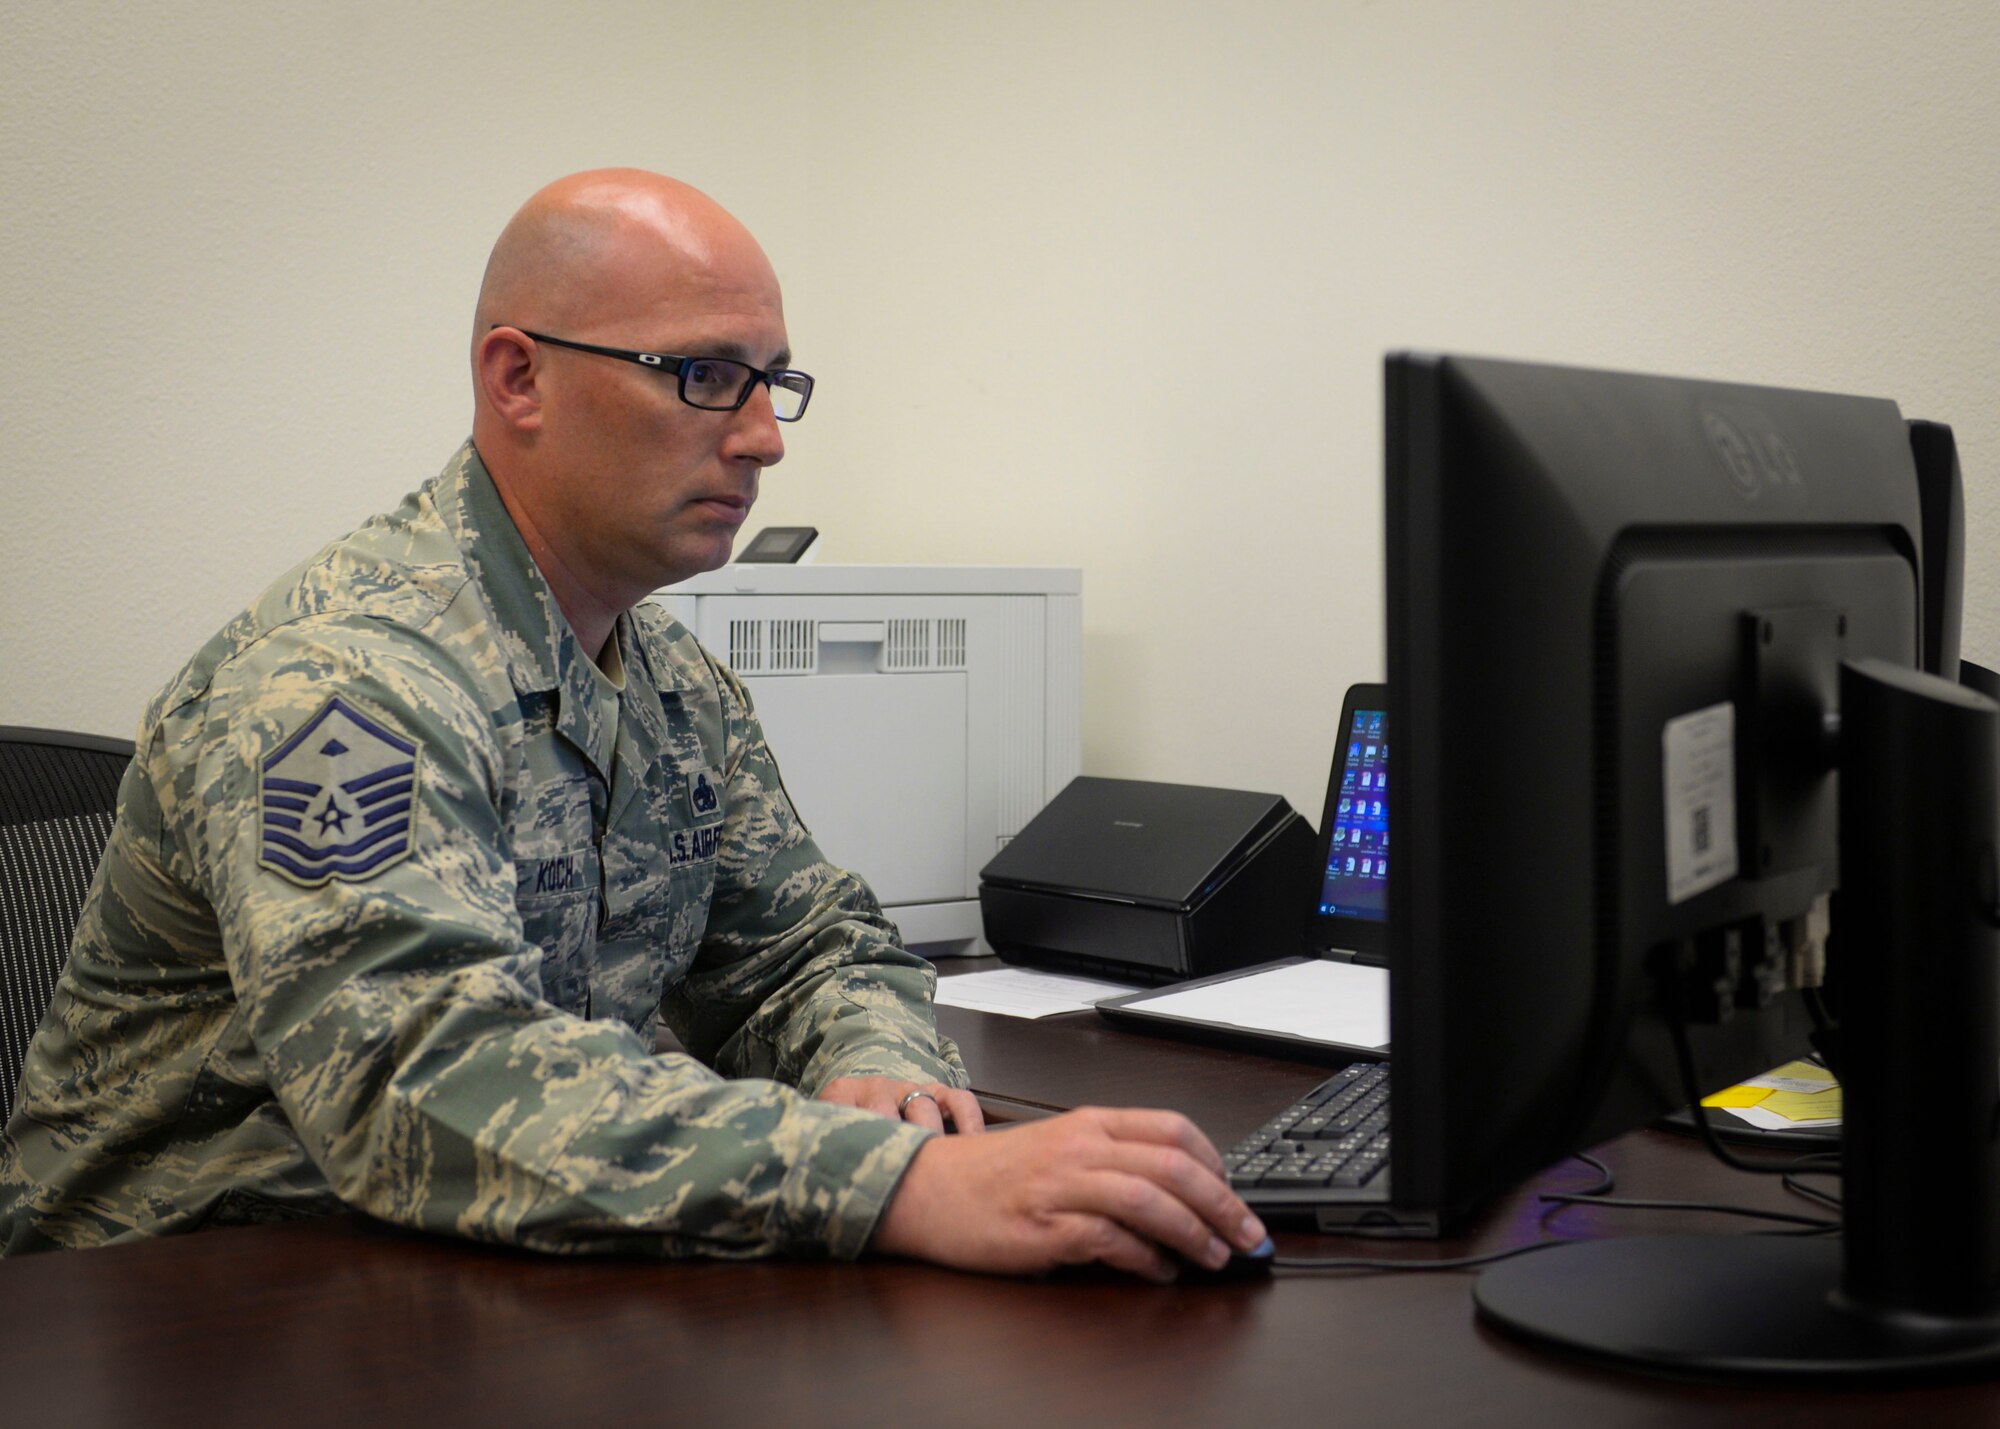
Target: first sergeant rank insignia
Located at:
point(338, 799)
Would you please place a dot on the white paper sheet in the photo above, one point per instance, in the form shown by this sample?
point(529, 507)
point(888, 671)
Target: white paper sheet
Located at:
point(1326, 1002)
point(1023, 992)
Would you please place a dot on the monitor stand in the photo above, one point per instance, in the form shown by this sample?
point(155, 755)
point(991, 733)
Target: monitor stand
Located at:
point(1911, 1289)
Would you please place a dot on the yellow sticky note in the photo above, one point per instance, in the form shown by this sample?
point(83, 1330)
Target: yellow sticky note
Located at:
point(1738, 1096)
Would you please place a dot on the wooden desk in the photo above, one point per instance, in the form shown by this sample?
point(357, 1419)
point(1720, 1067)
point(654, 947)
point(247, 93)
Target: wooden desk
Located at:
point(342, 1321)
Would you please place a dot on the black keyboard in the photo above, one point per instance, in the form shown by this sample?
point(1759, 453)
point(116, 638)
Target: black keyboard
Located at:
point(1335, 1136)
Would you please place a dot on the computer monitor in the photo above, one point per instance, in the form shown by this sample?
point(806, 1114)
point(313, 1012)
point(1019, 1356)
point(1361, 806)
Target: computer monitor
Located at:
point(1941, 502)
point(1648, 641)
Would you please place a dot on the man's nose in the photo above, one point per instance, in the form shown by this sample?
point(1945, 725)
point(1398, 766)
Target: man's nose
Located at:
point(755, 433)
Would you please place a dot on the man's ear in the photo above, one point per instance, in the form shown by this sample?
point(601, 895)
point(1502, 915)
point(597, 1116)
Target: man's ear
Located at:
point(508, 368)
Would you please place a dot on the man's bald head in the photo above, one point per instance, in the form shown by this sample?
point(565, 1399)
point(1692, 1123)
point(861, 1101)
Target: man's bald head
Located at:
point(617, 485)
point(577, 249)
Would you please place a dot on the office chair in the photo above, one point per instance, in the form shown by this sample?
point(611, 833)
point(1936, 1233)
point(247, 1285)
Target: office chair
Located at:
point(58, 793)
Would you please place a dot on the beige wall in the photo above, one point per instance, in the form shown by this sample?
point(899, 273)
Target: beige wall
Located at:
point(1091, 283)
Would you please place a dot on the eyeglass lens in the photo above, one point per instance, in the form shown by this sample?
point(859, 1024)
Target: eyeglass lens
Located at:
point(716, 382)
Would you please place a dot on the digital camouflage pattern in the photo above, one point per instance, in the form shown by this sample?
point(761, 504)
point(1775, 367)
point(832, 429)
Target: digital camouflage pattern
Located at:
point(271, 1009)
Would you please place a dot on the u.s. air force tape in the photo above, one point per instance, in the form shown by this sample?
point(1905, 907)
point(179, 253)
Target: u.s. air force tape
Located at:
point(338, 798)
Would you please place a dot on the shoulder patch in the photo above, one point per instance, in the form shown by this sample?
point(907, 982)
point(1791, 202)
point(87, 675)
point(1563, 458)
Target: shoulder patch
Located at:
point(338, 799)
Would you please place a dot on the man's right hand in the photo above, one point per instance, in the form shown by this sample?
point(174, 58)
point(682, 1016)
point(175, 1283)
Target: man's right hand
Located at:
point(1115, 1185)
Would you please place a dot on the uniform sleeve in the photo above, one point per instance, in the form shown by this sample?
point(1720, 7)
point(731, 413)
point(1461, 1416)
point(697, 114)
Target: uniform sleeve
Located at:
point(800, 976)
point(396, 1007)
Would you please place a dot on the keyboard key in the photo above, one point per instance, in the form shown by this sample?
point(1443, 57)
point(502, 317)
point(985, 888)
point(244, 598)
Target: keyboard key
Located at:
point(1283, 1180)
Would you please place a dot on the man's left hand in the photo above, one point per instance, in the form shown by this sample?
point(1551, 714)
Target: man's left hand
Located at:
point(926, 1104)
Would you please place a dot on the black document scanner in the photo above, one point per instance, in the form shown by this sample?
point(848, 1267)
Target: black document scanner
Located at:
point(1153, 882)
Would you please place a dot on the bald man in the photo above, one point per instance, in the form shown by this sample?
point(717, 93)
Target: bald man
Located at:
point(420, 851)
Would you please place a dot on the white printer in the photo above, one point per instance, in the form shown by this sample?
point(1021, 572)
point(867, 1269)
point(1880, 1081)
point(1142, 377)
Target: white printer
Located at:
point(920, 715)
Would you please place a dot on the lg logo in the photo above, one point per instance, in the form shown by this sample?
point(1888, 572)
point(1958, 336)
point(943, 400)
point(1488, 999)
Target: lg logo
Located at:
point(1754, 455)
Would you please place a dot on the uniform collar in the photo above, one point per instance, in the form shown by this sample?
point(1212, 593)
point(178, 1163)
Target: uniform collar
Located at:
point(543, 654)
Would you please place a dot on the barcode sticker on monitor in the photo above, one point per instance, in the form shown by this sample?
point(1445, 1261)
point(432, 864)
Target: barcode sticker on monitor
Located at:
point(1698, 759)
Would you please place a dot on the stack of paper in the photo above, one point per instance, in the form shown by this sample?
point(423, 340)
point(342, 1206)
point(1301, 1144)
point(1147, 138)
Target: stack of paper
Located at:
point(1795, 1096)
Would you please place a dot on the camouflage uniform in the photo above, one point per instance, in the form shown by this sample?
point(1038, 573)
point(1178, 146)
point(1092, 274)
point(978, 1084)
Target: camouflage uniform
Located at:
point(399, 890)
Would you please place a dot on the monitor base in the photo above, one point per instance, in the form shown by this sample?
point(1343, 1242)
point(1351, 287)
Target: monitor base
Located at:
point(1733, 1307)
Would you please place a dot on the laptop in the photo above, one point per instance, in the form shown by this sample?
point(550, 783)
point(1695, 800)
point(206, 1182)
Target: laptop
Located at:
point(1344, 919)
point(1349, 918)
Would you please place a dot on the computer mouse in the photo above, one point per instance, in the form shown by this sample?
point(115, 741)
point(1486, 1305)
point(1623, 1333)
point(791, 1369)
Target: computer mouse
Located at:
point(1241, 1265)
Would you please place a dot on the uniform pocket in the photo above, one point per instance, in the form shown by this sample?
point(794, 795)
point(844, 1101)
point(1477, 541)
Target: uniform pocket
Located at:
point(557, 897)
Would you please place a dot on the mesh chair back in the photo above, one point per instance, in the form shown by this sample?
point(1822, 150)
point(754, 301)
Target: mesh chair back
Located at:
point(57, 796)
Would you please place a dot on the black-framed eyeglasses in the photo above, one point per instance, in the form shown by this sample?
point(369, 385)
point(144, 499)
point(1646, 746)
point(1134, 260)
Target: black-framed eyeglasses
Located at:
point(714, 384)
